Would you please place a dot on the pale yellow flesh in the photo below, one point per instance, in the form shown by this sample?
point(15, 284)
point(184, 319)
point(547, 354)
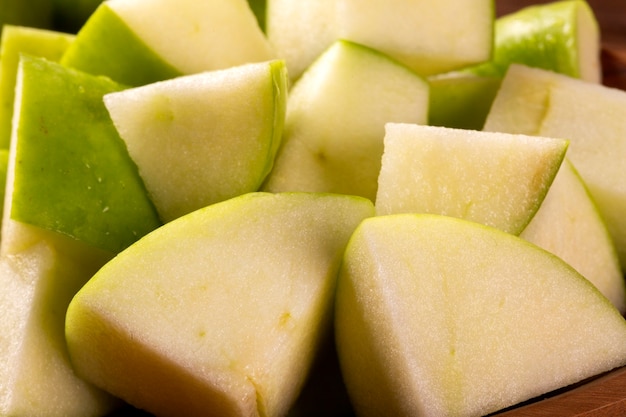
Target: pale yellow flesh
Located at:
point(218, 312)
point(592, 117)
point(495, 179)
point(448, 312)
point(342, 153)
point(569, 225)
point(214, 34)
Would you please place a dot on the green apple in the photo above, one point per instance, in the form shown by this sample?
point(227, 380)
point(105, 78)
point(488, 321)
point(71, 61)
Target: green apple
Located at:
point(591, 116)
point(18, 40)
point(219, 312)
point(69, 171)
point(342, 153)
point(122, 41)
point(429, 37)
point(36, 376)
point(461, 100)
point(561, 36)
point(35, 13)
point(496, 179)
point(438, 316)
point(222, 128)
point(569, 225)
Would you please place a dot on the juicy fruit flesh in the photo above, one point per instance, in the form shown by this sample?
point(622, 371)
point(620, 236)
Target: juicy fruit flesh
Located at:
point(443, 304)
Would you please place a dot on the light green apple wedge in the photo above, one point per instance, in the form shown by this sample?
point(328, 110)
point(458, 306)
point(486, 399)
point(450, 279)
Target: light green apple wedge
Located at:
point(69, 171)
point(561, 36)
point(206, 137)
point(592, 117)
point(496, 179)
point(569, 225)
point(16, 40)
point(36, 376)
point(219, 312)
point(336, 117)
point(438, 316)
point(121, 41)
point(428, 37)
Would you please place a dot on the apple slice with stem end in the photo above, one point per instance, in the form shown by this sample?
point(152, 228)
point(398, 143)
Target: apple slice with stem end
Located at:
point(69, 171)
point(591, 116)
point(36, 376)
point(496, 179)
point(342, 155)
point(17, 40)
point(428, 37)
point(560, 36)
point(569, 225)
point(121, 41)
point(222, 128)
point(219, 312)
point(439, 316)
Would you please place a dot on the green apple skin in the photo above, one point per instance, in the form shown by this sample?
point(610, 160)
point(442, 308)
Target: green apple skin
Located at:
point(434, 315)
point(36, 376)
point(219, 312)
point(592, 117)
point(18, 40)
point(569, 225)
point(561, 36)
point(427, 37)
point(105, 45)
point(461, 100)
point(121, 41)
point(342, 155)
point(222, 128)
point(69, 171)
point(496, 179)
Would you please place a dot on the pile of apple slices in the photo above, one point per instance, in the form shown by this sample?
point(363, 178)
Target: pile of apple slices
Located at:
point(202, 214)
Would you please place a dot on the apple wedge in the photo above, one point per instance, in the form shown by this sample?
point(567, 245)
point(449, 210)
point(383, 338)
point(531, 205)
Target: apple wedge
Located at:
point(122, 41)
point(69, 172)
point(18, 40)
point(496, 179)
point(569, 225)
point(219, 312)
point(36, 376)
point(222, 128)
point(591, 116)
point(342, 153)
point(428, 37)
point(438, 316)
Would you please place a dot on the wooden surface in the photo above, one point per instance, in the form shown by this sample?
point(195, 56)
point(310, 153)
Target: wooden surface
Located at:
point(604, 396)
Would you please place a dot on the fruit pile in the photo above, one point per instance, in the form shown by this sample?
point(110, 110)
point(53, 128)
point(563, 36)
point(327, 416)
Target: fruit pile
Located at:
point(295, 208)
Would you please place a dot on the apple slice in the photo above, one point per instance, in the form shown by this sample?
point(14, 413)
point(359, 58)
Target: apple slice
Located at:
point(342, 154)
point(441, 316)
point(36, 376)
point(69, 171)
point(220, 312)
point(496, 179)
point(569, 225)
point(122, 41)
point(428, 37)
point(591, 116)
point(222, 128)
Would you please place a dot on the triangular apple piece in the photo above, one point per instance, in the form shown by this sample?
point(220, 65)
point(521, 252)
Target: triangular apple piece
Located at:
point(441, 316)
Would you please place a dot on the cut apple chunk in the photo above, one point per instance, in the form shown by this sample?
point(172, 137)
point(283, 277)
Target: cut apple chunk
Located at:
point(69, 172)
point(342, 154)
point(438, 316)
point(219, 312)
point(203, 138)
point(122, 41)
point(496, 179)
point(569, 225)
point(591, 116)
